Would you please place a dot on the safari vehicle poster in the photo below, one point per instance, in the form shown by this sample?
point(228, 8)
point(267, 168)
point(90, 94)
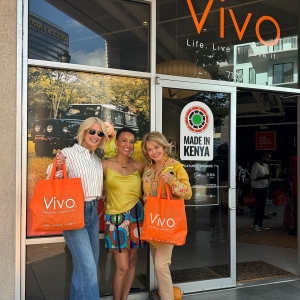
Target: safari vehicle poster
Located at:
point(58, 102)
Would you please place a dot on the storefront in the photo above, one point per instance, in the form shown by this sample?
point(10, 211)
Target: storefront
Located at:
point(139, 64)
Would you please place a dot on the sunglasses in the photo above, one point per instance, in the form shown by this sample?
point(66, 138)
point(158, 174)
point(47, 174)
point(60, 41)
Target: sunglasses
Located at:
point(93, 131)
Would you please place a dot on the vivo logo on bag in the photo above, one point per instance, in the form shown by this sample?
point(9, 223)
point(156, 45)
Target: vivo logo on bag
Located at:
point(59, 204)
point(281, 197)
point(160, 222)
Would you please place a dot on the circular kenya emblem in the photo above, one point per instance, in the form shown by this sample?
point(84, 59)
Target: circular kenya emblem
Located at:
point(196, 119)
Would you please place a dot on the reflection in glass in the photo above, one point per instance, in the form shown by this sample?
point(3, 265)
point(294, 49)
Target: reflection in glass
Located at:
point(223, 46)
point(283, 73)
point(207, 211)
point(49, 271)
point(252, 76)
point(106, 33)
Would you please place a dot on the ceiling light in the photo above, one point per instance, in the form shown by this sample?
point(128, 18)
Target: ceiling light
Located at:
point(145, 23)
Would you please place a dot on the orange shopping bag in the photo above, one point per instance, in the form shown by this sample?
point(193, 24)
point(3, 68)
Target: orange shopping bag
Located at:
point(58, 204)
point(164, 219)
point(249, 200)
point(280, 197)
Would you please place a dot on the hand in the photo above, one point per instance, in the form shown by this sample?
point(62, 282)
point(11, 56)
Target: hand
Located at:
point(167, 177)
point(60, 159)
point(59, 174)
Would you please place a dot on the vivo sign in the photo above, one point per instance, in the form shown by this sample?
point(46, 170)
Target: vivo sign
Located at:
point(240, 31)
point(59, 204)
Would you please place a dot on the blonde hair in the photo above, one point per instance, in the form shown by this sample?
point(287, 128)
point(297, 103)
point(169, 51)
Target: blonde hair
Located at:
point(156, 138)
point(86, 124)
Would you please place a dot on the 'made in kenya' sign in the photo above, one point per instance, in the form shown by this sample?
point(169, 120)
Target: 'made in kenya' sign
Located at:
point(196, 132)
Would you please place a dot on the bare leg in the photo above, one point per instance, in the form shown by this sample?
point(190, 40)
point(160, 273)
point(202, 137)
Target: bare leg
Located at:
point(122, 268)
point(130, 274)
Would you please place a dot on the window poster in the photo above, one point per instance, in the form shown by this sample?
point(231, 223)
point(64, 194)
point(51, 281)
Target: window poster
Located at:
point(265, 140)
point(58, 102)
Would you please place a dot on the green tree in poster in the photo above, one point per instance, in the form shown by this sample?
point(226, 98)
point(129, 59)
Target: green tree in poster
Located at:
point(131, 92)
point(50, 90)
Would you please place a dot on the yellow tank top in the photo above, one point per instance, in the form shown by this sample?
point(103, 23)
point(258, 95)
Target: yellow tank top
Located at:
point(122, 192)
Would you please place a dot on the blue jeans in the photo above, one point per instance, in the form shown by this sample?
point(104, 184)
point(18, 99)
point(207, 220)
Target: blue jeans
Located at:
point(84, 246)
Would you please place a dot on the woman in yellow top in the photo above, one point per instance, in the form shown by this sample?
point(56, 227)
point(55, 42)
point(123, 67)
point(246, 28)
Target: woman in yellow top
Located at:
point(160, 166)
point(124, 213)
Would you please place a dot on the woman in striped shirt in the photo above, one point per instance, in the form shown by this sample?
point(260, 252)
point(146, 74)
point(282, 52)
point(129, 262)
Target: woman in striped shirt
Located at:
point(82, 162)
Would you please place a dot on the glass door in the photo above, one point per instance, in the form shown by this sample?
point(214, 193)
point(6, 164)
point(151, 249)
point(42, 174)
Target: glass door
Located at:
point(208, 259)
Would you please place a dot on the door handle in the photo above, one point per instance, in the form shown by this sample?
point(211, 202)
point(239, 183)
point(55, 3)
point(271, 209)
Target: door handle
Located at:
point(229, 197)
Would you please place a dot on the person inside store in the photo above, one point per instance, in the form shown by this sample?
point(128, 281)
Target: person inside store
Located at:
point(82, 162)
point(221, 160)
point(124, 212)
point(242, 183)
point(292, 180)
point(160, 166)
point(260, 176)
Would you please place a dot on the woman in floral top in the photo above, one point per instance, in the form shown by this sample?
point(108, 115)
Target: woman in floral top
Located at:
point(160, 166)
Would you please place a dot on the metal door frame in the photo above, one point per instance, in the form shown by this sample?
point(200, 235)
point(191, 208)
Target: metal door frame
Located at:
point(163, 81)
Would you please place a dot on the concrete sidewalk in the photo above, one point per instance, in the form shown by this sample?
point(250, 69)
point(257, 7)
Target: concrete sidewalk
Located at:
point(274, 291)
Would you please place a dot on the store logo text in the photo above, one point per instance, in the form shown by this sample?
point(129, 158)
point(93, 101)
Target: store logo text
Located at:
point(240, 31)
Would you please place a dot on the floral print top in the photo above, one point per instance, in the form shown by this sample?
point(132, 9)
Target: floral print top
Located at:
point(180, 186)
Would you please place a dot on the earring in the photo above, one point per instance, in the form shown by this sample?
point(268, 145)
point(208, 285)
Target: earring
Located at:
point(166, 157)
point(131, 153)
point(116, 150)
point(149, 160)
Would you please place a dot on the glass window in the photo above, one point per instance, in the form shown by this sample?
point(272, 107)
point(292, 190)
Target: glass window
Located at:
point(118, 118)
point(106, 33)
point(246, 54)
point(49, 270)
point(106, 115)
point(239, 75)
point(240, 55)
point(283, 73)
point(252, 76)
point(53, 124)
point(90, 112)
point(193, 41)
point(130, 120)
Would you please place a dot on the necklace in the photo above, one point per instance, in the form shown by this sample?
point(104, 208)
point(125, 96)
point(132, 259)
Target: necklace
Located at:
point(123, 166)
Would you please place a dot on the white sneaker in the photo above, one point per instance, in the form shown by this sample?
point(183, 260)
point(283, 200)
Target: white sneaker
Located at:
point(263, 227)
point(256, 228)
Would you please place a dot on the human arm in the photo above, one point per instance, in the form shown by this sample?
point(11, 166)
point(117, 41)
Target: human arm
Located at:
point(104, 166)
point(178, 180)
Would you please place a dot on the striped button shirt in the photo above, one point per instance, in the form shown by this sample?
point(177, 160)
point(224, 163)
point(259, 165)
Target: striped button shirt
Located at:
point(82, 164)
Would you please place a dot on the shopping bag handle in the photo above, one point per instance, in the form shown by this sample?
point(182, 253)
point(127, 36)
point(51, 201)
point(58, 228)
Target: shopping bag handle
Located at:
point(159, 191)
point(53, 171)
